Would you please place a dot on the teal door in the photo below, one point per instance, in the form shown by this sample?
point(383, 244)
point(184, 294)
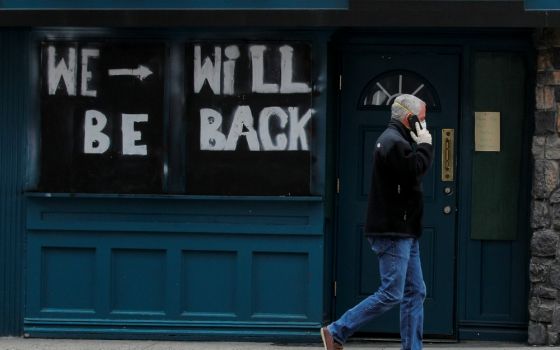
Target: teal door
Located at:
point(371, 79)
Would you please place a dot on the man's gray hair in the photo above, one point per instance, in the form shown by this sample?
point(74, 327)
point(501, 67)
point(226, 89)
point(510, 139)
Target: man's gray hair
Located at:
point(404, 104)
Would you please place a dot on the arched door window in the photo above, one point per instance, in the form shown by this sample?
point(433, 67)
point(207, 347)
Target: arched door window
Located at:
point(381, 91)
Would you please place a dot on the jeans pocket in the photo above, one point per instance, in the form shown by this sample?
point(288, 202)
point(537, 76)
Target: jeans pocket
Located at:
point(382, 245)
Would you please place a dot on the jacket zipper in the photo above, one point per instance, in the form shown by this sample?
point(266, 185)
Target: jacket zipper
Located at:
point(399, 192)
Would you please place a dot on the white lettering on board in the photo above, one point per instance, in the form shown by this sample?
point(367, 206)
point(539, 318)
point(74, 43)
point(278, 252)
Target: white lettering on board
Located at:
point(130, 135)
point(232, 53)
point(257, 62)
point(62, 70)
point(274, 133)
point(297, 128)
point(95, 141)
point(142, 72)
point(86, 73)
point(207, 71)
point(264, 129)
point(211, 138)
point(242, 125)
point(287, 86)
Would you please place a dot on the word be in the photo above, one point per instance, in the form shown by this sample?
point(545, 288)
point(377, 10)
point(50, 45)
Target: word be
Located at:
point(213, 139)
point(97, 142)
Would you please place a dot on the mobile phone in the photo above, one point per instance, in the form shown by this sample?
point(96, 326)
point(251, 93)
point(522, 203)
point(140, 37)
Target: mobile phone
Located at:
point(412, 120)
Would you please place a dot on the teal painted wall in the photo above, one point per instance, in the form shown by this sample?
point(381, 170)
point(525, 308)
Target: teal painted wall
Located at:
point(178, 266)
point(105, 233)
point(174, 267)
point(13, 111)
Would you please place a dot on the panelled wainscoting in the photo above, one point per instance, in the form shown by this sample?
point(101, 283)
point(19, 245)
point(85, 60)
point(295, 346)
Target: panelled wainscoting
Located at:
point(181, 267)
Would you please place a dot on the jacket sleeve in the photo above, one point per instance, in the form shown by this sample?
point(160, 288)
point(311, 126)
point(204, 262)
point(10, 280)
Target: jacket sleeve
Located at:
point(406, 163)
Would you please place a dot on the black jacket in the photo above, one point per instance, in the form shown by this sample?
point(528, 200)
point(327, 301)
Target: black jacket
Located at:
point(395, 203)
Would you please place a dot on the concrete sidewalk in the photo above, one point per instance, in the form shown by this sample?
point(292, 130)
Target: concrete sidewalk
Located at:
point(71, 344)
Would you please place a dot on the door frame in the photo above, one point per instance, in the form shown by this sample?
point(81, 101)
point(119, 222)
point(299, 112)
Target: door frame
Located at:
point(465, 44)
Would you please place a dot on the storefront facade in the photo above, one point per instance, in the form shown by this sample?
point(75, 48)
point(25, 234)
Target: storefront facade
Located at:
point(202, 173)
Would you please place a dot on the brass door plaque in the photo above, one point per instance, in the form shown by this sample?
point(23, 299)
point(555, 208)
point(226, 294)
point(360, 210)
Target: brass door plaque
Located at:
point(447, 156)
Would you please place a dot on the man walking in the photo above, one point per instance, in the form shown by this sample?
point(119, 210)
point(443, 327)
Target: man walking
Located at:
point(393, 226)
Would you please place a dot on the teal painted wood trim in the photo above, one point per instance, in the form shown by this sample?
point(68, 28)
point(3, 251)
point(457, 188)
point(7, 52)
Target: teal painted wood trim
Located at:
point(489, 333)
point(466, 141)
point(178, 4)
point(542, 5)
point(284, 332)
point(177, 197)
point(169, 215)
point(13, 112)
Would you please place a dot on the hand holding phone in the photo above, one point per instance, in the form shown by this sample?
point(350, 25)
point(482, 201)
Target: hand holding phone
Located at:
point(420, 134)
point(412, 120)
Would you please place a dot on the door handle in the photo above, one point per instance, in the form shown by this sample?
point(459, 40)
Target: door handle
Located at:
point(448, 139)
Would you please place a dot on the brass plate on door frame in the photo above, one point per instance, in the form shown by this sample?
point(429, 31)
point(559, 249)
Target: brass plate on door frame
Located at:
point(447, 155)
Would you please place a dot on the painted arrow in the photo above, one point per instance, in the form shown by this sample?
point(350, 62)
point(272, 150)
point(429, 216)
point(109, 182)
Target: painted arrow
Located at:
point(142, 72)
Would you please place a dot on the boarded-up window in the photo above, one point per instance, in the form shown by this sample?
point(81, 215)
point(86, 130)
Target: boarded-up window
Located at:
point(245, 128)
point(102, 117)
point(250, 117)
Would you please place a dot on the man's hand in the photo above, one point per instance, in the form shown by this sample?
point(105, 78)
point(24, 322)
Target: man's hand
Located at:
point(424, 135)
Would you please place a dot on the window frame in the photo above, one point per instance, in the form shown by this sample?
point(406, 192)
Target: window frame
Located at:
point(388, 74)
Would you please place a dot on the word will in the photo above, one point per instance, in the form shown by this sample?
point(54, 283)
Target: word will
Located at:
point(220, 75)
point(211, 72)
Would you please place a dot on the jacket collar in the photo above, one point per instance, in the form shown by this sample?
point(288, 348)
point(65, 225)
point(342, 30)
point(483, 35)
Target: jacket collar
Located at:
point(401, 129)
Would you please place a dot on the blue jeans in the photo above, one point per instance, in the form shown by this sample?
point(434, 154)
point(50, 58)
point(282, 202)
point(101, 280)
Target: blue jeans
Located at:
point(401, 283)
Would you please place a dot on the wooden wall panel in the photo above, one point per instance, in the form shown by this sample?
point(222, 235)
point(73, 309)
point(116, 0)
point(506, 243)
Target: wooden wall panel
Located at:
point(13, 113)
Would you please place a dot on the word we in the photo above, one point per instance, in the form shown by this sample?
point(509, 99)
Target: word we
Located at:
point(68, 72)
point(63, 66)
point(66, 69)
